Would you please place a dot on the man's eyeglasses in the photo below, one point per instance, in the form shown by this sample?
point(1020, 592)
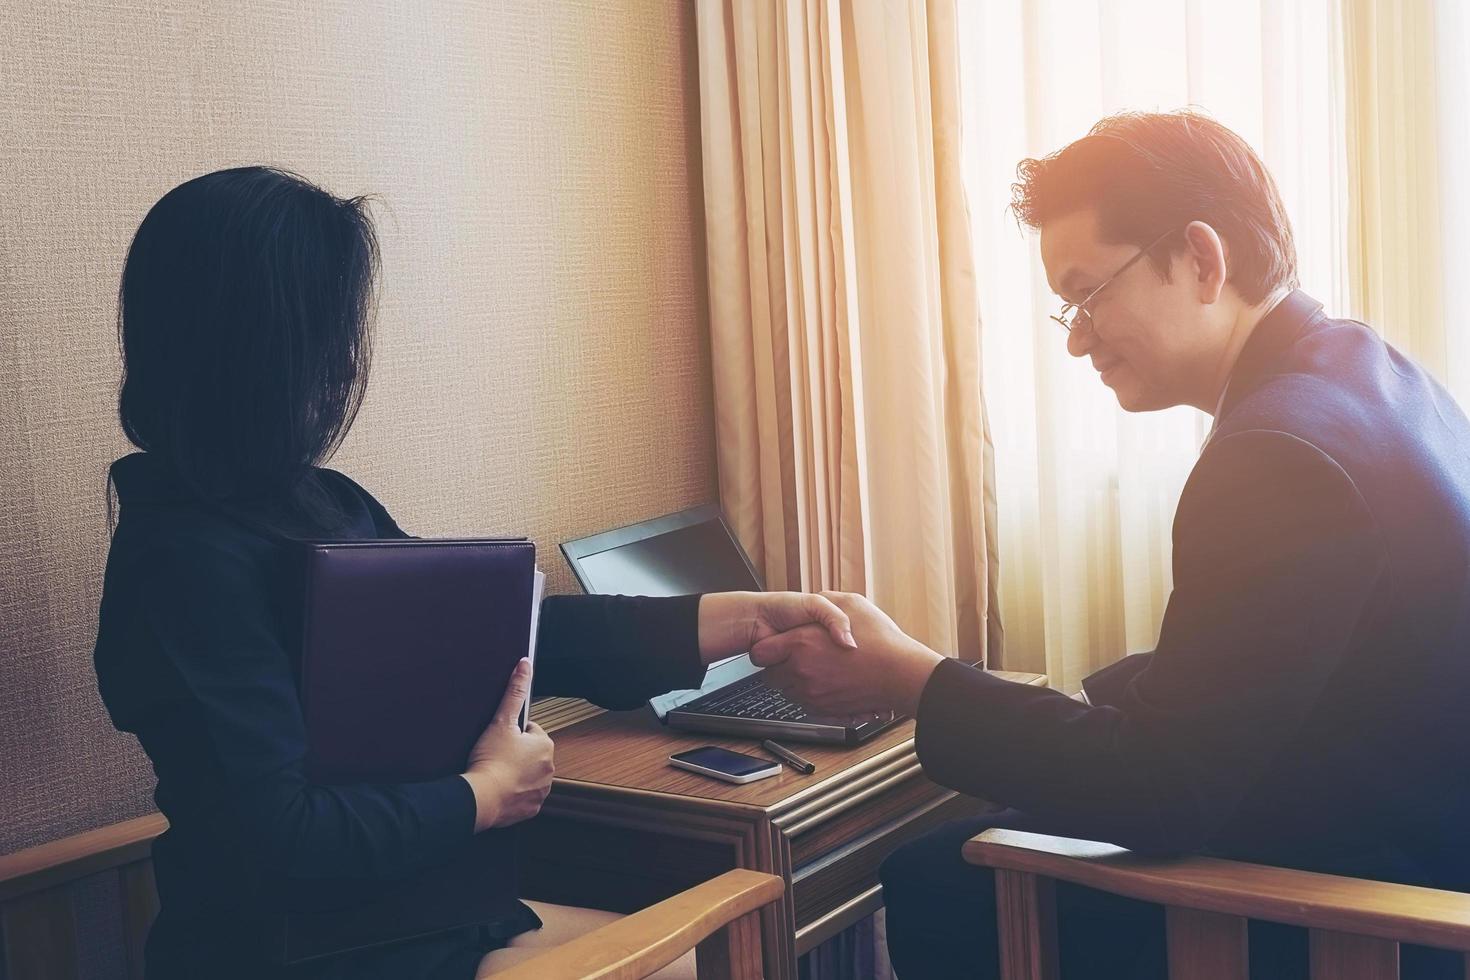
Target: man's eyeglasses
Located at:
point(1075, 315)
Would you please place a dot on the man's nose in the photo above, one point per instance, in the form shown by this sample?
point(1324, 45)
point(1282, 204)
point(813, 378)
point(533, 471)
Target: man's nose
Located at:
point(1081, 340)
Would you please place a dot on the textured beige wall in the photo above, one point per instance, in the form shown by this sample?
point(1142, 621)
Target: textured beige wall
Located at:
point(542, 361)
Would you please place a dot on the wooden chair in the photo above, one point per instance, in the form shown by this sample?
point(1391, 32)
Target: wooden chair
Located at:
point(38, 923)
point(1355, 926)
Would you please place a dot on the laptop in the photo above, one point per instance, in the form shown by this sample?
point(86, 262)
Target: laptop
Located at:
point(690, 552)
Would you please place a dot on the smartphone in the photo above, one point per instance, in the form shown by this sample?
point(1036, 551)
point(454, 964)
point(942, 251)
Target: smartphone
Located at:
point(732, 767)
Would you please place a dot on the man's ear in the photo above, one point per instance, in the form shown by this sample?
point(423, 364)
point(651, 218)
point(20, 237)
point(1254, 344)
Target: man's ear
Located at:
point(1208, 256)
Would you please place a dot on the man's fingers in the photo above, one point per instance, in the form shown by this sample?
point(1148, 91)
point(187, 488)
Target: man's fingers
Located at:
point(823, 610)
point(778, 677)
point(516, 692)
point(810, 637)
point(771, 651)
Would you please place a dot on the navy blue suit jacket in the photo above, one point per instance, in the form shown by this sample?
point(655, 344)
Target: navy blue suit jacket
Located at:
point(1305, 705)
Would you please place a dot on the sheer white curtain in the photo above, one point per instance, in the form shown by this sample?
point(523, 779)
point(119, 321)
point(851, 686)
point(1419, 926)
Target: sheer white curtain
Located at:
point(1086, 492)
point(1451, 133)
point(1408, 140)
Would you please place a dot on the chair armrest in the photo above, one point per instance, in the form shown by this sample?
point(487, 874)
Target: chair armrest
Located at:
point(1406, 913)
point(649, 940)
point(60, 861)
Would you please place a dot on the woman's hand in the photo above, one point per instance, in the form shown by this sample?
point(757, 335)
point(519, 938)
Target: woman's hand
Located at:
point(889, 671)
point(733, 622)
point(510, 770)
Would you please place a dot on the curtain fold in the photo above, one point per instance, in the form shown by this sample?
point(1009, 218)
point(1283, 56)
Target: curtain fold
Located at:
point(1395, 273)
point(1407, 140)
point(851, 434)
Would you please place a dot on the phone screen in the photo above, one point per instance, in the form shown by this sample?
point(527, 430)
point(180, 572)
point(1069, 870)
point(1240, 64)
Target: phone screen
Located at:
point(723, 760)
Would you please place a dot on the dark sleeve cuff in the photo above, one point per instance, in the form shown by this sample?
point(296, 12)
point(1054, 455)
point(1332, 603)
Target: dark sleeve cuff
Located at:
point(985, 736)
point(664, 637)
point(618, 651)
point(1108, 685)
point(953, 725)
point(453, 801)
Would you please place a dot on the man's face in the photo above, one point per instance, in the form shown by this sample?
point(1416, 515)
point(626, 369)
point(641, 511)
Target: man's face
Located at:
point(1151, 341)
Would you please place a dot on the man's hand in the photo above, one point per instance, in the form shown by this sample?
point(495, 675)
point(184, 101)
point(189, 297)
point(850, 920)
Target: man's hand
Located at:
point(734, 622)
point(886, 671)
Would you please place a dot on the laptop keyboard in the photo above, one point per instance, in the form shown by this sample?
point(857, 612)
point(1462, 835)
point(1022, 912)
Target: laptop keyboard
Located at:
point(748, 699)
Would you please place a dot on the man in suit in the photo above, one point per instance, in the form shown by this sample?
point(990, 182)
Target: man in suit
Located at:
point(1304, 706)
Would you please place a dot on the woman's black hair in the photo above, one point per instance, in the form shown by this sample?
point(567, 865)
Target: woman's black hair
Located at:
point(244, 319)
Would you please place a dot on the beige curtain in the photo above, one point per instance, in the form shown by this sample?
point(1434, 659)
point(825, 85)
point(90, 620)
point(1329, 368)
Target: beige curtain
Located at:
point(851, 435)
point(1408, 149)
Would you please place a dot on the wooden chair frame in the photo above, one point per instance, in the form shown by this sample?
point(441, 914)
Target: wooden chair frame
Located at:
point(719, 919)
point(1355, 926)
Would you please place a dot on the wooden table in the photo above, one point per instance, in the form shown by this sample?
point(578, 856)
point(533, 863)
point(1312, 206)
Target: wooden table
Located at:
point(622, 829)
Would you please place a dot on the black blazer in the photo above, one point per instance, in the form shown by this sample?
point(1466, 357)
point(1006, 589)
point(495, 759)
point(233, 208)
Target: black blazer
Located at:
point(192, 657)
point(1305, 705)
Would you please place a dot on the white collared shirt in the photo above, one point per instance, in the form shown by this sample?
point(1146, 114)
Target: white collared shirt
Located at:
point(1225, 388)
point(1219, 407)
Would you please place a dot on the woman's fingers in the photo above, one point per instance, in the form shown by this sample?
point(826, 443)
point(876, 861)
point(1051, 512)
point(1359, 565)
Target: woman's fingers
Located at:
point(516, 693)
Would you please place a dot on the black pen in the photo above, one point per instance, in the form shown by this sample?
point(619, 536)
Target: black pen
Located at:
point(789, 757)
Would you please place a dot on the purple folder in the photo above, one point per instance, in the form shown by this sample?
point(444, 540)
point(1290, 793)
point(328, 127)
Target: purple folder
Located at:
point(407, 647)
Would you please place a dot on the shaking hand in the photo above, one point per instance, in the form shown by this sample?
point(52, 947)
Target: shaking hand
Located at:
point(734, 622)
point(886, 669)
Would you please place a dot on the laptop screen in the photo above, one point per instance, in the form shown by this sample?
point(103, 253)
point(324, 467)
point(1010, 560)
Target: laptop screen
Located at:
point(686, 560)
point(681, 554)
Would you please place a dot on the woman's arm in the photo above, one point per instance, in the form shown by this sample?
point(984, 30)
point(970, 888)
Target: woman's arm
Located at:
point(619, 651)
point(510, 770)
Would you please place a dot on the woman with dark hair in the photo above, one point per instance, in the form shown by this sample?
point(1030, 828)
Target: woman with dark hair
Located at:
point(244, 319)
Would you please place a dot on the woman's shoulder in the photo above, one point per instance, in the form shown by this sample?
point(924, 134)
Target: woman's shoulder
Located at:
point(157, 508)
point(163, 534)
point(188, 550)
point(350, 492)
point(173, 571)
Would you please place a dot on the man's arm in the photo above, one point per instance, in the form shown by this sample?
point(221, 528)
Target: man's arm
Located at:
point(1276, 558)
point(1106, 686)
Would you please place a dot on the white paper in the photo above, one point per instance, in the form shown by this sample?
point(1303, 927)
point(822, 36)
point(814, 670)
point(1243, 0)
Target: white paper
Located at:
point(538, 586)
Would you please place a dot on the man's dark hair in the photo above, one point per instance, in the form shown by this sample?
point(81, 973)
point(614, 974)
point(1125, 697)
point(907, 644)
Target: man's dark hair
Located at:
point(244, 316)
point(1148, 173)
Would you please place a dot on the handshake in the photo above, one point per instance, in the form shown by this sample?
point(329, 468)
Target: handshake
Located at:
point(846, 658)
point(837, 653)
